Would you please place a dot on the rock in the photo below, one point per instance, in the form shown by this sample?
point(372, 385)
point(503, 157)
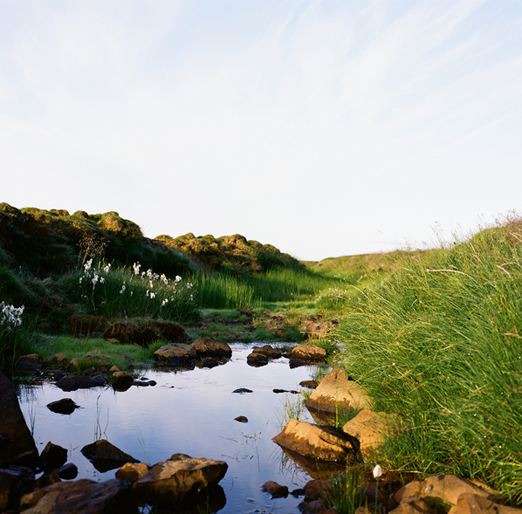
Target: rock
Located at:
point(85, 382)
point(82, 496)
point(337, 393)
point(276, 490)
point(105, 456)
point(67, 471)
point(63, 406)
point(177, 354)
point(52, 457)
point(241, 419)
point(307, 354)
point(311, 384)
point(60, 358)
point(476, 504)
point(67, 384)
point(121, 380)
point(168, 330)
point(317, 489)
point(257, 359)
point(271, 353)
point(22, 449)
point(208, 347)
point(313, 507)
point(242, 390)
point(371, 429)
point(318, 330)
point(132, 472)
point(14, 483)
point(279, 391)
point(447, 488)
point(114, 369)
point(47, 479)
point(312, 441)
point(181, 478)
point(31, 363)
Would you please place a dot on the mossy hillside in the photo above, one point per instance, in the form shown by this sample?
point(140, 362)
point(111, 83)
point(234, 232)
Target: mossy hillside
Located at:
point(233, 254)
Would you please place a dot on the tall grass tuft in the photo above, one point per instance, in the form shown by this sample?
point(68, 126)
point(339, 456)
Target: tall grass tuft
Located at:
point(440, 343)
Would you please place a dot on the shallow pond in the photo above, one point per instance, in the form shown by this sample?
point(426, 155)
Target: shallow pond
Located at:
point(189, 412)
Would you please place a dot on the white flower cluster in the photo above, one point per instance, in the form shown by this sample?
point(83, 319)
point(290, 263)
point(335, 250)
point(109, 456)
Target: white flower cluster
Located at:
point(11, 316)
point(93, 275)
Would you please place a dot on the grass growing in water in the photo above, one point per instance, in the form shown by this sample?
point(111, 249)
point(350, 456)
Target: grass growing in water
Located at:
point(438, 343)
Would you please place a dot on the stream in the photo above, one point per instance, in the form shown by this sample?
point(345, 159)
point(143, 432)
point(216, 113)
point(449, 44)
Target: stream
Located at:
point(189, 412)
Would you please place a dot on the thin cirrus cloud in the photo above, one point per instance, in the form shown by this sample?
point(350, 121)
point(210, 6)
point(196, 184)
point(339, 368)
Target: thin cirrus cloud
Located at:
point(325, 128)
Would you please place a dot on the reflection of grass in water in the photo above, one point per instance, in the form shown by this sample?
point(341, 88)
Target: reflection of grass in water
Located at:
point(292, 408)
point(98, 431)
point(141, 441)
point(31, 411)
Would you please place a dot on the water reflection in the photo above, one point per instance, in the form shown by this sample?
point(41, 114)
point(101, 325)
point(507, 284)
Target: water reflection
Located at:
point(191, 412)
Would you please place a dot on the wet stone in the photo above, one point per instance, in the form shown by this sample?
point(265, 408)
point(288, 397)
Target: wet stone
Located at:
point(241, 419)
point(242, 390)
point(63, 406)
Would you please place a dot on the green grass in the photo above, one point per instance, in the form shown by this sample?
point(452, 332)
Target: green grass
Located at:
point(438, 342)
point(121, 355)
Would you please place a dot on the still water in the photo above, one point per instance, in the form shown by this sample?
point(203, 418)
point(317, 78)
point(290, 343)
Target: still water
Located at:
point(189, 412)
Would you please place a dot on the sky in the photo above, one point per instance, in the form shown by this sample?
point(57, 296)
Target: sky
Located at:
point(325, 128)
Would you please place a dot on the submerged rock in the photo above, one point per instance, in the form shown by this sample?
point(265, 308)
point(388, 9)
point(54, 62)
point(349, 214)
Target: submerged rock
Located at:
point(105, 456)
point(179, 479)
point(274, 489)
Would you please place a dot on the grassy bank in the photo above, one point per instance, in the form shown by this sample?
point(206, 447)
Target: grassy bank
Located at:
point(437, 341)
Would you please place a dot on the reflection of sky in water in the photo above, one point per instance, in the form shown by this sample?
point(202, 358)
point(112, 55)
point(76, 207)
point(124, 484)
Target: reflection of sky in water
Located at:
point(188, 412)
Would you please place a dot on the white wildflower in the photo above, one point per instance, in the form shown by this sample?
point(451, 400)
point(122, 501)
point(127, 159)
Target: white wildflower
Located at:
point(152, 295)
point(178, 279)
point(107, 268)
point(136, 266)
point(87, 265)
point(377, 471)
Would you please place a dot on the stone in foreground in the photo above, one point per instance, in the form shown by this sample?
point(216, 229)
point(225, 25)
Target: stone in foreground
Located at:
point(179, 479)
point(209, 347)
point(337, 393)
point(82, 496)
point(307, 354)
point(312, 441)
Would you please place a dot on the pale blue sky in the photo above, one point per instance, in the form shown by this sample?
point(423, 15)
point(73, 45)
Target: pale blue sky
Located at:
point(323, 127)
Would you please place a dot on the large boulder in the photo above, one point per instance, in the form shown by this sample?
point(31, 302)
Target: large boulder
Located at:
point(52, 457)
point(208, 347)
point(179, 479)
point(82, 497)
point(337, 392)
point(176, 354)
point(22, 449)
point(312, 441)
point(105, 456)
point(14, 483)
point(371, 429)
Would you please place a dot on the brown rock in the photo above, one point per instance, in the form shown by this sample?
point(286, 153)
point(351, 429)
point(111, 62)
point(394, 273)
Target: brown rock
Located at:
point(132, 472)
point(337, 393)
point(275, 489)
point(371, 429)
point(177, 354)
point(105, 456)
point(208, 347)
point(131, 333)
point(476, 504)
point(89, 359)
point(321, 443)
point(416, 505)
point(60, 358)
point(178, 479)
point(22, 449)
point(121, 380)
point(14, 482)
point(448, 488)
point(82, 497)
point(52, 457)
point(257, 359)
point(307, 354)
